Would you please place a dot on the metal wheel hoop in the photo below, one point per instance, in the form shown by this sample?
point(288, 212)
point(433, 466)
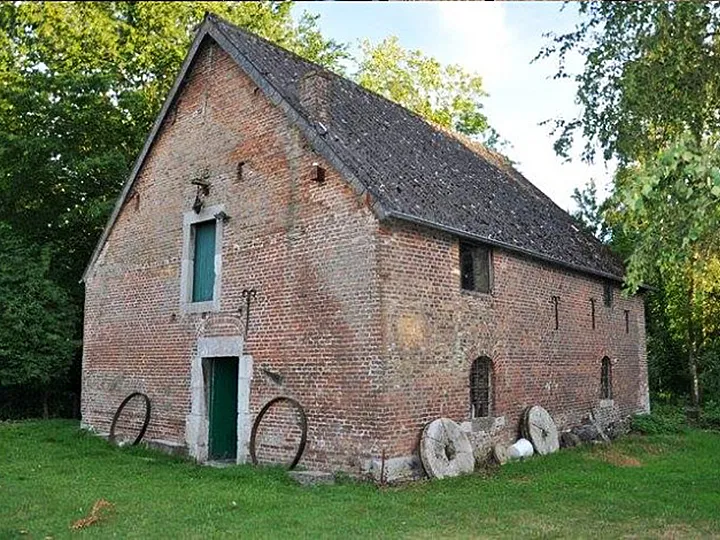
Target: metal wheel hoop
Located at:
point(303, 427)
point(111, 437)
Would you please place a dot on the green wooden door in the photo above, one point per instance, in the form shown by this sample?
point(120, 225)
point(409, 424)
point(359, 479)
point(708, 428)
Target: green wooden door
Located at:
point(204, 261)
point(222, 434)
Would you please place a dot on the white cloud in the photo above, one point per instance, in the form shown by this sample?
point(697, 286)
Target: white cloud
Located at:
point(477, 35)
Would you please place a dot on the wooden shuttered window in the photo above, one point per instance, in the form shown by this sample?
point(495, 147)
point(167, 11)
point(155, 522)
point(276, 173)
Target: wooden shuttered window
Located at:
point(203, 284)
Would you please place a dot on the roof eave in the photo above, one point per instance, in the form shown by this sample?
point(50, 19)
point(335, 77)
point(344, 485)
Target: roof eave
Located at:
point(509, 247)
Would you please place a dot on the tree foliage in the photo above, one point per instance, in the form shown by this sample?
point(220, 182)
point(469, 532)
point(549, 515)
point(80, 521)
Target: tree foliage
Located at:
point(589, 211)
point(650, 98)
point(37, 317)
point(672, 205)
point(650, 74)
point(447, 95)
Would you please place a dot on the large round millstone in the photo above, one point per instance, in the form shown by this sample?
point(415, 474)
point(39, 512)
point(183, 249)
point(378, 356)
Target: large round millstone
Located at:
point(541, 430)
point(445, 450)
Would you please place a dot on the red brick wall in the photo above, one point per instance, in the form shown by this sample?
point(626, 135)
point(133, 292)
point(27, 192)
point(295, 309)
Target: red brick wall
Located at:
point(366, 324)
point(432, 331)
point(308, 249)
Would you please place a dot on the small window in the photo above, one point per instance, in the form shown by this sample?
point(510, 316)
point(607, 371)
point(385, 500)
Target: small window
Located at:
point(606, 379)
point(474, 267)
point(556, 301)
point(608, 294)
point(627, 321)
point(203, 261)
point(592, 313)
point(481, 387)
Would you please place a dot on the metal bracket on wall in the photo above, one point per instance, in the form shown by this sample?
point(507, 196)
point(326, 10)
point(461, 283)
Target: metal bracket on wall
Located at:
point(203, 190)
point(249, 295)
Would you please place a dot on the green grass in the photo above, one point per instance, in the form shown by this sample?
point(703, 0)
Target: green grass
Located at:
point(51, 473)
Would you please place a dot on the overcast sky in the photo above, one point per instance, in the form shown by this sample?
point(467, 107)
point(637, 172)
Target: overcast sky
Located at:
point(497, 40)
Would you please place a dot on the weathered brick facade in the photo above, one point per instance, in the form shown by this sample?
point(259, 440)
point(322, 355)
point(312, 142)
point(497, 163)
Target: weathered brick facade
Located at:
point(361, 320)
point(433, 330)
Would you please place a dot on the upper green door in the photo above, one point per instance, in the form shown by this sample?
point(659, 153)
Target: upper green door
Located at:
point(204, 261)
point(222, 434)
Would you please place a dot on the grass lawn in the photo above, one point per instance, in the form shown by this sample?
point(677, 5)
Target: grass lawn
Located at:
point(51, 474)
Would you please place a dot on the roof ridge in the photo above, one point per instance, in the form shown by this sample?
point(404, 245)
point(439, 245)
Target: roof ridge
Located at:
point(217, 19)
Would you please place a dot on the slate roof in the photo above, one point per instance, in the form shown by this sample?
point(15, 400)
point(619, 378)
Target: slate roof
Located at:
point(413, 170)
point(421, 173)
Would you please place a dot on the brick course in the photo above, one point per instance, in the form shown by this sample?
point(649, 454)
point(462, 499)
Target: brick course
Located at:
point(364, 320)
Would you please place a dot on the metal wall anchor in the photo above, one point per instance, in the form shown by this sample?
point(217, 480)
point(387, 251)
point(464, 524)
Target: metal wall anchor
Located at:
point(249, 295)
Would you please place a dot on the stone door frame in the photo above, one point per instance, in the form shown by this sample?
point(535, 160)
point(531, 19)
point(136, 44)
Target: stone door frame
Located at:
point(197, 422)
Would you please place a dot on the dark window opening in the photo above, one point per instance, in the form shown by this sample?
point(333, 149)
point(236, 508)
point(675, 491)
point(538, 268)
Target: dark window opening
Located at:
point(606, 379)
point(556, 301)
point(474, 268)
point(480, 387)
point(592, 312)
point(203, 263)
point(608, 294)
point(627, 321)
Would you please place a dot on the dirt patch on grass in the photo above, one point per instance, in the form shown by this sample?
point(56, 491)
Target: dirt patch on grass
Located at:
point(653, 449)
point(675, 531)
point(98, 513)
point(521, 480)
point(615, 456)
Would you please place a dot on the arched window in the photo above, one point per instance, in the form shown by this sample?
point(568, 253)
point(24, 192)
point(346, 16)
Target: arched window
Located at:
point(606, 379)
point(481, 387)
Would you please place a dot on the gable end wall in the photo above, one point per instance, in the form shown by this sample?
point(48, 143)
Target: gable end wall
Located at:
point(308, 249)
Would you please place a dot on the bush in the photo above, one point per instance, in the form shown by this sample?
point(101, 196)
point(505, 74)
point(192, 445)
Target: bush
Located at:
point(710, 415)
point(664, 420)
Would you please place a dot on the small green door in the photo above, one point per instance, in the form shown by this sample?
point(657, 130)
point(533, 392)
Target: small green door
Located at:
point(222, 434)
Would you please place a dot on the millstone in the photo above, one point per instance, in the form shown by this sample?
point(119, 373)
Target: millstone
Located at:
point(445, 450)
point(524, 424)
point(541, 431)
point(500, 454)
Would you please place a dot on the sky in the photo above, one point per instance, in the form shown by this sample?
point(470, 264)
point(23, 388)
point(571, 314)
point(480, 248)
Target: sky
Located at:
point(497, 40)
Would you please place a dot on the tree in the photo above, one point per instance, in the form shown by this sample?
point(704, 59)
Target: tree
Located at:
point(446, 95)
point(672, 203)
point(649, 97)
point(80, 85)
point(37, 318)
point(589, 211)
point(651, 74)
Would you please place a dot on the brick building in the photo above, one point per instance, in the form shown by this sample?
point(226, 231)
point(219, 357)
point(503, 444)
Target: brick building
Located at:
point(401, 274)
